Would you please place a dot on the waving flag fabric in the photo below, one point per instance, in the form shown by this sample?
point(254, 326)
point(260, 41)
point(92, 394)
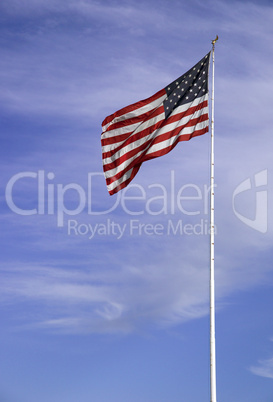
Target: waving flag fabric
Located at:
point(152, 127)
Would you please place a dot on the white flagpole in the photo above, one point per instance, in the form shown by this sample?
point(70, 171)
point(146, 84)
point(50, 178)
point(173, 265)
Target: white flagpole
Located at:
point(212, 285)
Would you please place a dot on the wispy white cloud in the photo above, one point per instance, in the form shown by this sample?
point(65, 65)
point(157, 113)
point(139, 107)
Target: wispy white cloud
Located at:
point(264, 368)
point(44, 78)
point(146, 285)
point(115, 299)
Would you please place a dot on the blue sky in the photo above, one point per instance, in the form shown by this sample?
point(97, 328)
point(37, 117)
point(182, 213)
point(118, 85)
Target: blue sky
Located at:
point(103, 298)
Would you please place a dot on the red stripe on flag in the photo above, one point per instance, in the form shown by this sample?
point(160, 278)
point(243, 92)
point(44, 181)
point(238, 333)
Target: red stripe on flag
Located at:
point(149, 157)
point(131, 137)
point(164, 151)
point(134, 106)
point(148, 144)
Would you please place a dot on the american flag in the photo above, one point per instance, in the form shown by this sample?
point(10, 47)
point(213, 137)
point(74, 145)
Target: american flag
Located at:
point(152, 127)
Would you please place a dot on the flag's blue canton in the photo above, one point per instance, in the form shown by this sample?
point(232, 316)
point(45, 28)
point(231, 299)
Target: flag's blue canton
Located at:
point(191, 85)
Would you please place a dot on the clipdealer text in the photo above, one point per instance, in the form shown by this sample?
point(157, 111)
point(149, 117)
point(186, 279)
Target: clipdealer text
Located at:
point(55, 198)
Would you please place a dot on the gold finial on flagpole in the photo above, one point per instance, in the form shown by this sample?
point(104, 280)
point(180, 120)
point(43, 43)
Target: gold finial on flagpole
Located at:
point(215, 40)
